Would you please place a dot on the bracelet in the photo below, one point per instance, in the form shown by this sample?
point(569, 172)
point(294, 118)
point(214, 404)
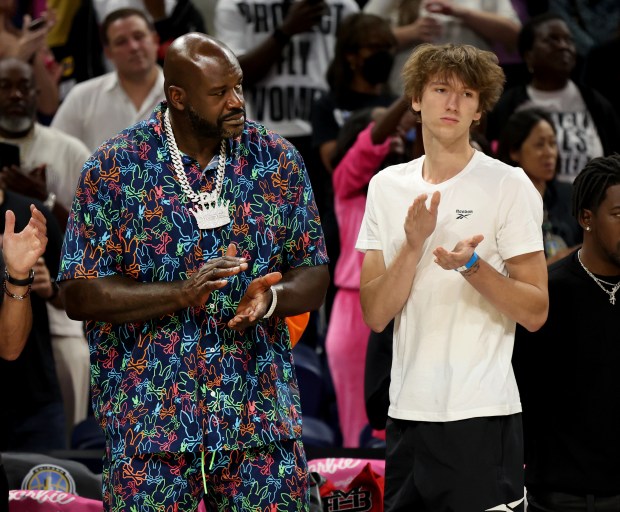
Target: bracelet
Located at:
point(474, 258)
point(274, 302)
point(281, 38)
point(19, 282)
point(13, 295)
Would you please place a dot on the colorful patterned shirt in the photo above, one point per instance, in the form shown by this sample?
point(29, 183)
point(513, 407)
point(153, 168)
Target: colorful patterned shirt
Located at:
point(172, 383)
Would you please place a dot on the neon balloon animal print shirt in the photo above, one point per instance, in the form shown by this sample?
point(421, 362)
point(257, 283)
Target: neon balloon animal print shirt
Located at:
point(158, 385)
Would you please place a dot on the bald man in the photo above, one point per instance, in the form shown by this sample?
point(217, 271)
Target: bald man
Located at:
point(191, 237)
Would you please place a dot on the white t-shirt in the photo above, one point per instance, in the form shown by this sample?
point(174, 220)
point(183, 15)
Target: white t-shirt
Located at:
point(452, 349)
point(283, 98)
point(99, 108)
point(578, 139)
point(453, 30)
point(62, 154)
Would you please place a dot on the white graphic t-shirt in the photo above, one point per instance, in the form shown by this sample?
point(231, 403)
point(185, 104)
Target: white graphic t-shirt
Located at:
point(283, 98)
point(578, 139)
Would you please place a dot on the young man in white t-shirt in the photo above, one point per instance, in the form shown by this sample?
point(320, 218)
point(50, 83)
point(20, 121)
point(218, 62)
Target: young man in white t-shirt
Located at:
point(454, 253)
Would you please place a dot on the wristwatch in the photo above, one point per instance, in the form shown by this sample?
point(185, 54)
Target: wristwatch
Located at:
point(19, 282)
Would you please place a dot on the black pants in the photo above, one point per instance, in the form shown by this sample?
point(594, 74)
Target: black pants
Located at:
point(462, 466)
point(543, 501)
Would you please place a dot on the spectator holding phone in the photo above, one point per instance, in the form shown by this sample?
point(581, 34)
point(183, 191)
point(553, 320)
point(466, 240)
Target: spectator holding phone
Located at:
point(29, 44)
point(45, 164)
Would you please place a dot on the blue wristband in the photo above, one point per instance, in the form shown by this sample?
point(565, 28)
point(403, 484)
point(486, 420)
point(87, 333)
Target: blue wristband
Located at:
point(474, 258)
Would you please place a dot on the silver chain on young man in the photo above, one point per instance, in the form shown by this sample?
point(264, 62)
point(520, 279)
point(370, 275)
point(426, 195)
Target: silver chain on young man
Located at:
point(601, 282)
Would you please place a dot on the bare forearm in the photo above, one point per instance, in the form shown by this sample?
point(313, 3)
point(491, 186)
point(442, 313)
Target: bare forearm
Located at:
point(384, 296)
point(301, 289)
point(491, 26)
point(15, 324)
point(119, 299)
point(48, 98)
point(388, 122)
point(258, 62)
point(525, 303)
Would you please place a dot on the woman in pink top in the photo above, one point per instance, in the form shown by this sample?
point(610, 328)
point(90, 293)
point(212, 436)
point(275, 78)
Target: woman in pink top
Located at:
point(360, 154)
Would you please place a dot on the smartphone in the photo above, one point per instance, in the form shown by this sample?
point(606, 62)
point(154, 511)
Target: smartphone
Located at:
point(9, 155)
point(36, 24)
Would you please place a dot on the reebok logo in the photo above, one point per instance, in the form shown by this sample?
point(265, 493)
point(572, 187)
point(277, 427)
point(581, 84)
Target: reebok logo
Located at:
point(506, 508)
point(463, 214)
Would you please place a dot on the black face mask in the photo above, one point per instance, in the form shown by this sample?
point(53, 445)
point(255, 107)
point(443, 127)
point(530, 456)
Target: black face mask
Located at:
point(376, 68)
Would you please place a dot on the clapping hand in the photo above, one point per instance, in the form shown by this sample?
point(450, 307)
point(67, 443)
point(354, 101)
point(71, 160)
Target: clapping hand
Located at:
point(22, 250)
point(255, 303)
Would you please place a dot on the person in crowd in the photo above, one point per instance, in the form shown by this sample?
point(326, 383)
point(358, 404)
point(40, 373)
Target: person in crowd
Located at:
point(74, 40)
point(528, 141)
point(97, 109)
point(456, 267)
point(33, 412)
point(50, 160)
point(568, 370)
point(284, 48)
point(365, 142)
point(49, 169)
point(20, 252)
point(599, 75)
point(191, 237)
point(591, 23)
point(483, 24)
point(170, 18)
point(28, 43)
point(585, 123)
point(357, 77)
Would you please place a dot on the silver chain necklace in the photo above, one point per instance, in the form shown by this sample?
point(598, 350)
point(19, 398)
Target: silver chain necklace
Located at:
point(600, 282)
point(210, 211)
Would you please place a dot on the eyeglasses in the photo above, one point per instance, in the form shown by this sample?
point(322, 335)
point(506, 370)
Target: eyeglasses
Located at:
point(25, 88)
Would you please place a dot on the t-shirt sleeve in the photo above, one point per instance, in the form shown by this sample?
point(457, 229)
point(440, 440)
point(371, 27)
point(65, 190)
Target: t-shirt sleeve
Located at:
point(368, 237)
point(520, 216)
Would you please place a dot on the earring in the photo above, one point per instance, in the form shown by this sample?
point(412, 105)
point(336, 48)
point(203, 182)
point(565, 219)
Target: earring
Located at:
point(588, 228)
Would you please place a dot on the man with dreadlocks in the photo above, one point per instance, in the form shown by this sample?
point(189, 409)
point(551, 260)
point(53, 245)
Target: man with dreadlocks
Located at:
point(568, 371)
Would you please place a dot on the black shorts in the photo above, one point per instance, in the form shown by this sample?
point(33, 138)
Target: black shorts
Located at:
point(471, 465)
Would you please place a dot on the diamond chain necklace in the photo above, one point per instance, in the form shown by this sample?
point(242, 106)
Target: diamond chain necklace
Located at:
point(210, 211)
point(600, 282)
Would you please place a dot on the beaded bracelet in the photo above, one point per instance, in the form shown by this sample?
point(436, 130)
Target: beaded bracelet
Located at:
point(13, 295)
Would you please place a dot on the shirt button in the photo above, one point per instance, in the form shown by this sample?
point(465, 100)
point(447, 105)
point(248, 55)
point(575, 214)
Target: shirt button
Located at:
point(212, 393)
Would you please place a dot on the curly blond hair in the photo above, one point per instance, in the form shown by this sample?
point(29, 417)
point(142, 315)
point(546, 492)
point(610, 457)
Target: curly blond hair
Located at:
point(477, 69)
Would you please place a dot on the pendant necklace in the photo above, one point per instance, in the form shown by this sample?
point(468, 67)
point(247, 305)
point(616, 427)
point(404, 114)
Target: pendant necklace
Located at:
point(601, 283)
point(210, 210)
